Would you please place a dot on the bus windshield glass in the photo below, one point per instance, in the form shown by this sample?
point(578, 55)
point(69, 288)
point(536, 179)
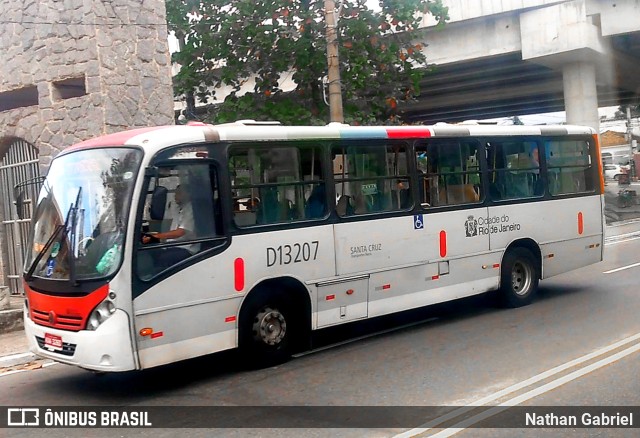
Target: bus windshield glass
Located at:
point(80, 218)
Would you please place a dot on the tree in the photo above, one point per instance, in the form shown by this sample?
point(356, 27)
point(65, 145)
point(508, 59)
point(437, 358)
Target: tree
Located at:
point(621, 113)
point(234, 42)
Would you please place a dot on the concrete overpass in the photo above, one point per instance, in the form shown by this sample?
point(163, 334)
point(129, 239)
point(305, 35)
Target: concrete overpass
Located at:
point(498, 58)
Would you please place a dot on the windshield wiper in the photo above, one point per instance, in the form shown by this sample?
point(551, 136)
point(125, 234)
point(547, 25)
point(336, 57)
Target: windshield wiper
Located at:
point(64, 228)
point(72, 237)
point(45, 248)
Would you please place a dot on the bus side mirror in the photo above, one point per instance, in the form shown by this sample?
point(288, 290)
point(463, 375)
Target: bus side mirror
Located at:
point(19, 203)
point(26, 189)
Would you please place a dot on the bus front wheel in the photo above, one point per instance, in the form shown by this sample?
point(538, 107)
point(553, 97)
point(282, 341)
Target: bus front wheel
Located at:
point(266, 332)
point(519, 278)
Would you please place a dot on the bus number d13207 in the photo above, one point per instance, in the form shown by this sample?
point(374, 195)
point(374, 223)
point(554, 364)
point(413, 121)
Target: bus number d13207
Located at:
point(294, 253)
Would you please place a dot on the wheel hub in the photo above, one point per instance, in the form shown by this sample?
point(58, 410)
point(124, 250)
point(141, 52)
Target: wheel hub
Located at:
point(269, 326)
point(521, 278)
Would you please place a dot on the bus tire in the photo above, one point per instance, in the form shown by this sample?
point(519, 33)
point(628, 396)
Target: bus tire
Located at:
point(519, 278)
point(266, 331)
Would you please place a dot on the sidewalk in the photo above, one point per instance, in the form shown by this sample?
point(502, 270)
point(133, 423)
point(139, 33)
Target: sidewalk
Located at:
point(13, 342)
point(14, 347)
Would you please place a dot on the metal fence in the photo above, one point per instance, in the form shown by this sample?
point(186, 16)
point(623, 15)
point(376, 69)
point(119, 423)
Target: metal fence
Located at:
point(19, 164)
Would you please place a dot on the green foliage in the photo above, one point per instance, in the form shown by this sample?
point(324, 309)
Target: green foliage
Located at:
point(259, 45)
point(621, 113)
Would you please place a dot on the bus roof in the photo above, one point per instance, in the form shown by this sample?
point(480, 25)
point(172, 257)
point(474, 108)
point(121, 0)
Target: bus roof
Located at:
point(160, 137)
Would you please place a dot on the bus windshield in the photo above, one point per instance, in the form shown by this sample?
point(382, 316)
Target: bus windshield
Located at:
point(80, 218)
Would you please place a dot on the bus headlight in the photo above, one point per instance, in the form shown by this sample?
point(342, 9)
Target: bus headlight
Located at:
point(102, 312)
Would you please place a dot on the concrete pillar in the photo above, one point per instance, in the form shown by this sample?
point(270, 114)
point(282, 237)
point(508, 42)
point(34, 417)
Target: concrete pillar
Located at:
point(580, 94)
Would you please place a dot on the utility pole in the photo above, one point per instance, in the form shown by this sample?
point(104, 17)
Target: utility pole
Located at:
point(632, 162)
point(333, 64)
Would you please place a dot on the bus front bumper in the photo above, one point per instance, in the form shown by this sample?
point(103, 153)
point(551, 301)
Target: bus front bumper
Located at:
point(107, 349)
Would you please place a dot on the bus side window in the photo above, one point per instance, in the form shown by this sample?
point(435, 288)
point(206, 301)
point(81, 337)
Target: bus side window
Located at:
point(514, 170)
point(277, 184)
point(371, 178)
point(182, 217)
point(449, 173)
point(570, 167)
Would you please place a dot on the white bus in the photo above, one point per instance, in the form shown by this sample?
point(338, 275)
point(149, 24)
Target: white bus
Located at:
point(156, 245)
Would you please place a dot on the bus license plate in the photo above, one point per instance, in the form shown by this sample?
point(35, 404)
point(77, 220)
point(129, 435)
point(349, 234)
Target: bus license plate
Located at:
point(52, 342)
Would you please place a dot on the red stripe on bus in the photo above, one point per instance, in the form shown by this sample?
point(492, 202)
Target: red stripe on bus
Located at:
point(580, 223)
point(443, 243)
point(238, 272)
point(408, 132)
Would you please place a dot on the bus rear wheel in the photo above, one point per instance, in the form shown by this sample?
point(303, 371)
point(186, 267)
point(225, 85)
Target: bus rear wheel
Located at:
point(266, 332)
point(519, 278)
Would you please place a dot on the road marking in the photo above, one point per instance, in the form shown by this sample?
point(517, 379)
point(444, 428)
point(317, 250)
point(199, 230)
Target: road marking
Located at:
point(525, 383)
point(621, 269)
point(536, 392)
point(625, 240)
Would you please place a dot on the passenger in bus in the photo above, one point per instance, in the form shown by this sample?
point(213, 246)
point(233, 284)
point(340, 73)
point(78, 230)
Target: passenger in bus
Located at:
point(403, 194)
point(538, 187)
point(315, 206)
point(182, 229)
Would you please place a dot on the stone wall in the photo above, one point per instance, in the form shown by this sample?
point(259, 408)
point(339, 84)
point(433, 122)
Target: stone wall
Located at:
point(116, 49)
point(75, 69)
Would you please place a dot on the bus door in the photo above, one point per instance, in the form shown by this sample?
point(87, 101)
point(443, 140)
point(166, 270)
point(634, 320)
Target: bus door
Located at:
point(514, 177)
point(451, 195)
point(177, 289)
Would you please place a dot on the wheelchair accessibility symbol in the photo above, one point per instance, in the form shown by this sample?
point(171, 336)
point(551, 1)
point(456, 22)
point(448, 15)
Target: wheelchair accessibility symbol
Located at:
point(418, 223)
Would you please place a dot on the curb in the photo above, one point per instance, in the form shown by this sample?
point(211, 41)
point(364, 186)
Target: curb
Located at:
point(17, 359)
point(11, 320)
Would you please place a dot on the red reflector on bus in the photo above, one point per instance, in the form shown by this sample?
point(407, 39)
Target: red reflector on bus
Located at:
point(238, 272)
point(350, 292)
point(386, 286)
point(230, 319)
point(435, 277)
point(443, 243)
point(496, 265)
point(157, 335)
point(580, 223)
point(330, 297)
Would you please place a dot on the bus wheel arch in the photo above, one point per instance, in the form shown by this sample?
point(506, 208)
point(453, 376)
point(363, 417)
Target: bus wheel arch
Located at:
point(274, 321)
point(520, 272)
